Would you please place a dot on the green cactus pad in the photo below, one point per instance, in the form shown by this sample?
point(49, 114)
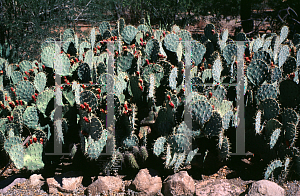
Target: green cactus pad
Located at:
point(201, 111)
point(171, 42)
point(266, 91)
point(289, 94)
point(270, 108)
point(43, 99)
point(155, 69)
point(124, 62)
point(290, 116)
point(158, 146)
point(30, 117)
point(16, 77)
point(25, 90)
point(229, 53)
point(179, 161)
point(129, 33)
point(271, 126)
point(289, 66)
point(152, 50)
point(224, 152)
point(90, 98)
point(190, 156)
point(47, 56)
point(257, 72)
point(262, 55)
point(130, 141)
point(103, 26)
point(40, 81)
point(33, 157)
point(271, 167)
point(274, 137)
point(214, 125)
point(198, 51)
point(179, 143)
point(291, 134)
point(25, 66)
point(131, 159)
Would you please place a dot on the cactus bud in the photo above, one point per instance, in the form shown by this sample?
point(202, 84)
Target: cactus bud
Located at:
point(171, 104)
point(21, 102)
point(89, 109)
point(98, 96)
point(141, 39)
point(41, 140)
point(180, 39)
point(164, 34)
point(36, 64)
point(25, 78)
point(43, 66)
point(125, 106)
point(213, 31)
point(30, 141)
point(210, 94)
point(98, 47)
point(68, 55)
point(142, 44)
point(11, 88)
point(34, 139)
point(147, 61)
point(137, 73)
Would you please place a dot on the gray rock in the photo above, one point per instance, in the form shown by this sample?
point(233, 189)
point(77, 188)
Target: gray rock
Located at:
point(265, 188)
point(217, 187)
point(9, 182)
point(179, 184)
point(147, 184)
point(67, 182)
point(105, 184)
point(36, 180)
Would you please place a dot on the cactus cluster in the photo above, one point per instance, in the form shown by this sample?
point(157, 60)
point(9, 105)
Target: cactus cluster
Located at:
point(125, 88)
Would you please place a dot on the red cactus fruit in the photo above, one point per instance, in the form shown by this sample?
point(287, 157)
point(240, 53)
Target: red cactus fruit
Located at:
point(98, 47)
point(82, 106)
point(41, 140)
point(36, 64)
point(11, 88)
point(34, 139)
point(30, 141)
point(98, 90)
point(137, 73)
point(171, 104)
point(141, 39)
point(43, 66)
point(147, 61)
point(125, 106)
point(169, 97)
point(89, 109)
point(141, 87)
point(210, 94)
point(85, 119)
point(180, 39)
point(21, 102)
point(98, 96)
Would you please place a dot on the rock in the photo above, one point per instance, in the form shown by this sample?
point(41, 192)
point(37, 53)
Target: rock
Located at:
point(217, 187)
point(36, 180)
point(67, 182)
point(265, 188)
point(107, 184)
point(9, 182)
point(179, 184)
point(147, 184)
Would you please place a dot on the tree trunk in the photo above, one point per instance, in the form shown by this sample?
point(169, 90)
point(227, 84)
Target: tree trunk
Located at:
point(245, 13)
